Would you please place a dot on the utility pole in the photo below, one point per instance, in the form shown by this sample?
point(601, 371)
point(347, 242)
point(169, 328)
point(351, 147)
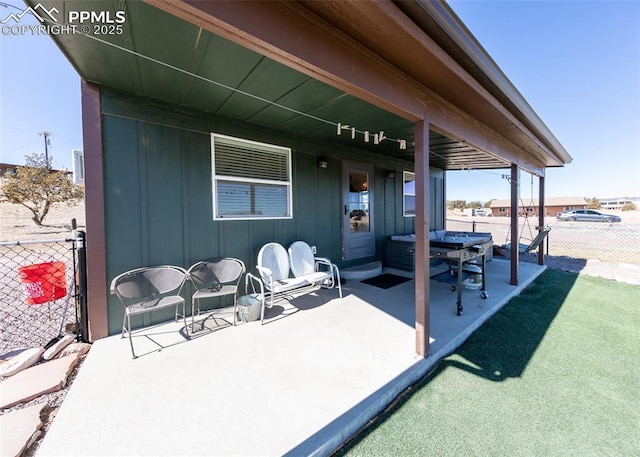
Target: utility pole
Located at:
point(46, 134)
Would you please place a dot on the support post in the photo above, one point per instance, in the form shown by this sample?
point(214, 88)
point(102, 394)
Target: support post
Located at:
point(541, 214)
point(81, 293)
point(422, 292)
point(97, 282)
point(515, 235)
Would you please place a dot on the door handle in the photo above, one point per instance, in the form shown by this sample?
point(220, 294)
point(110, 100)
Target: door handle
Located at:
point(345, 210)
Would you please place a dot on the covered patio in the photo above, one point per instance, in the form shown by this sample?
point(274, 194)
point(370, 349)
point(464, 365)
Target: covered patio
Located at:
point(376, 89)
point(314, 374)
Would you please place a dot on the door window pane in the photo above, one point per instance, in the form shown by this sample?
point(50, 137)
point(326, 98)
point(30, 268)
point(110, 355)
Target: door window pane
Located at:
point(358, 203)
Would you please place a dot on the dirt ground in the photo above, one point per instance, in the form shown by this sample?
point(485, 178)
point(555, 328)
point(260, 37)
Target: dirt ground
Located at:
point(16, 223)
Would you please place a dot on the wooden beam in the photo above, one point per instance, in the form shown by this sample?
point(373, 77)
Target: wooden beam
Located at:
point(97, 282)
point(422, 290)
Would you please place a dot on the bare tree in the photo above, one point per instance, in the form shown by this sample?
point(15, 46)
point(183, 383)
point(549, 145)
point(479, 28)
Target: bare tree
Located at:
point(36, 187)
point(593, 203)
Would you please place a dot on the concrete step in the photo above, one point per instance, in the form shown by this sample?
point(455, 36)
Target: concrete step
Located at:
point(360, 272)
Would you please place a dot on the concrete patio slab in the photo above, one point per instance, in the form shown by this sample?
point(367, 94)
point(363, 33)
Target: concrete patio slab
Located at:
point(301, 384)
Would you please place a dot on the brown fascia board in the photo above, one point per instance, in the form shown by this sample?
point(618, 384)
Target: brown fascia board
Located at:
point(446, 28)
point(452, 64)
point(428, 83)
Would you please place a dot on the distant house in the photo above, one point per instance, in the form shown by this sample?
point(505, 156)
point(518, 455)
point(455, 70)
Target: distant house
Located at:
point(7, 168)
point(617, 203)
point(77, 162)
point(10, 168)
point(4, 169)
point(531, 207)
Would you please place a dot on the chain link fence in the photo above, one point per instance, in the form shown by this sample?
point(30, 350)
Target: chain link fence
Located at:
point(38, 291)
point(606, 242)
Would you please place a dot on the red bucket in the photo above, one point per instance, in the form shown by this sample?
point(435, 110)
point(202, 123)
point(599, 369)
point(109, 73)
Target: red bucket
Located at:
point(44, 282)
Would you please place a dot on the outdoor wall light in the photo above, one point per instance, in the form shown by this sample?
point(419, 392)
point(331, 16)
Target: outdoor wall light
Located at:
point(322, 162)
point(391, 174)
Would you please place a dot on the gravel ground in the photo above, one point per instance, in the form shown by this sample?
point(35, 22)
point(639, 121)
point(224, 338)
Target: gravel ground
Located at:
point(16, 225)
point(622, 272)
point(619, 271)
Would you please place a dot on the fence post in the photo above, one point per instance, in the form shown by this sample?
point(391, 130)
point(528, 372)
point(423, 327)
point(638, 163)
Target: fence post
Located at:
point(82, 285)
point(473, 226)
point(546, 245)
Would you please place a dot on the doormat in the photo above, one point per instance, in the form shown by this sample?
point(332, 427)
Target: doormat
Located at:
point(386, 280)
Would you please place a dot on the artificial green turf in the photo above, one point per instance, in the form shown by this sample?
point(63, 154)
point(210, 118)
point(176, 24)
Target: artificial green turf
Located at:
point(554, 373)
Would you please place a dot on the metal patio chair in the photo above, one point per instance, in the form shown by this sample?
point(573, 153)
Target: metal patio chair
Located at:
point(215, 278)
point(149, 289)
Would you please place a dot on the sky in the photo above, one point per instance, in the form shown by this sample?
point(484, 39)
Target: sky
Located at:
point(39, 92)
point(577, 63)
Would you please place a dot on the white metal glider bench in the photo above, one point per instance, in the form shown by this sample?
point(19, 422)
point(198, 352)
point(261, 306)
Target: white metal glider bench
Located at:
point(274, 266)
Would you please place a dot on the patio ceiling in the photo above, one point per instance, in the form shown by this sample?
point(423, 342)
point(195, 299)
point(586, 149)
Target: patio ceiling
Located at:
point(162, 57)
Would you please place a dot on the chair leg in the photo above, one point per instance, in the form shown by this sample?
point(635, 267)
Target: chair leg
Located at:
point(193, 311)
point(124, 321)
point(184, 319)
point(235, 309)
point(338, 280)
point(130, 339)
point(262, 299)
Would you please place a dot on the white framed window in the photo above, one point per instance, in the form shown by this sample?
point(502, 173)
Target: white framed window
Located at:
point(408, 194)
point(251, 180)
